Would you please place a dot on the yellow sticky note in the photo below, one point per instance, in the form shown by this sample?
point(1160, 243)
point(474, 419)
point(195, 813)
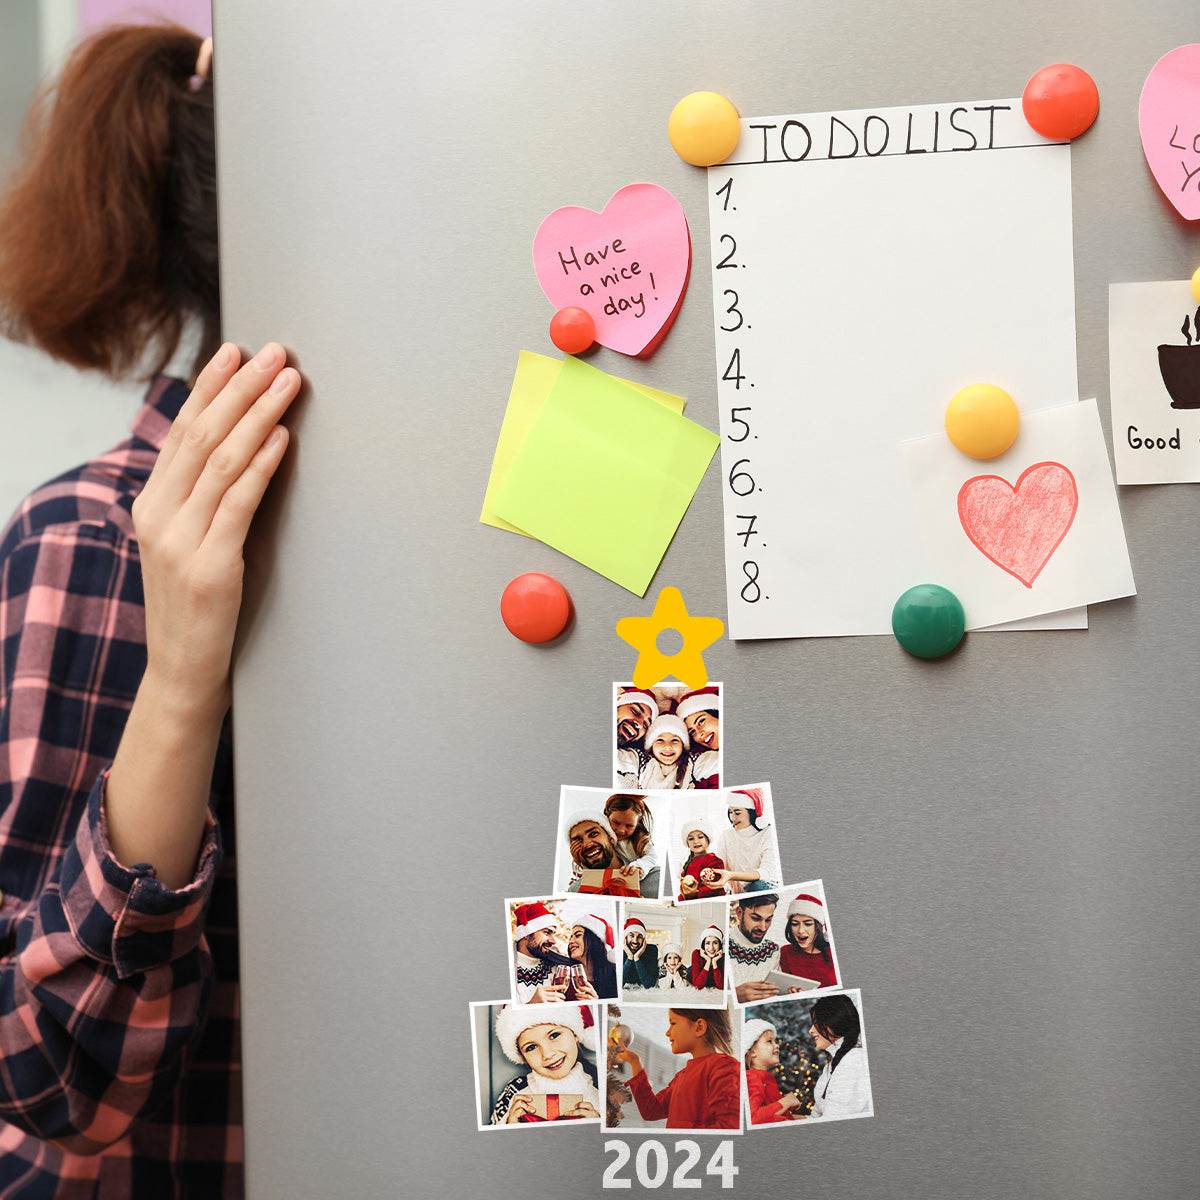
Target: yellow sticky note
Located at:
point(605, 475)
point(531, 385)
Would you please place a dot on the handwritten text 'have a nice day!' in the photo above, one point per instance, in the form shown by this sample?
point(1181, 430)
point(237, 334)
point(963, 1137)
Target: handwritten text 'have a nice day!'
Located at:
point(604, 268)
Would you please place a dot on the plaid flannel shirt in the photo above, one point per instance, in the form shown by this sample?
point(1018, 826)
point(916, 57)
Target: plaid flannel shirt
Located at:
point(119, 1056)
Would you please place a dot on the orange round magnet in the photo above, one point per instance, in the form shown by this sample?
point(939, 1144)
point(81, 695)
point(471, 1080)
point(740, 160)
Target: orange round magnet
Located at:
point(1061, 101)
point(535, 608)
point(572, 329)
point(982, 420)
point(703, 128)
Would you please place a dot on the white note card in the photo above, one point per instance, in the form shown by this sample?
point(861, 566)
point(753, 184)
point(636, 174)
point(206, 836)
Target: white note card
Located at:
point(868, 265)
point(1035, 530)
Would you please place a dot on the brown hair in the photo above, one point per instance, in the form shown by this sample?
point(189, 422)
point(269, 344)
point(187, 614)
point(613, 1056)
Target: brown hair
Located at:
point(108, 229)
point(719, 1034)
point(623, 802)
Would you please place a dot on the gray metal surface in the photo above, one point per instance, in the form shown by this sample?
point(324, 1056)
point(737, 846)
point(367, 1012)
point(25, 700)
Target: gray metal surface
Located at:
point(1007, 838)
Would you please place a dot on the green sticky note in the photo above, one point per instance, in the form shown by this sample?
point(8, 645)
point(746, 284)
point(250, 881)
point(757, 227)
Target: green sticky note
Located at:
point(605, 475)
point(531, 385)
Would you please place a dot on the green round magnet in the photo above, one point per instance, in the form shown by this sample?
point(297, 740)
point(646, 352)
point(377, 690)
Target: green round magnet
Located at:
point(928, 620)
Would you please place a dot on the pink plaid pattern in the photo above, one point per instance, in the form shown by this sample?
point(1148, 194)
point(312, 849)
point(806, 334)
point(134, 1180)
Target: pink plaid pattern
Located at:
point(119, 1054)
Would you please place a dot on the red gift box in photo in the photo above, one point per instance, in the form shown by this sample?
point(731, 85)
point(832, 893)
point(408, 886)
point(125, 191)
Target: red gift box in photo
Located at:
point(609, 882)
point(550, 1107)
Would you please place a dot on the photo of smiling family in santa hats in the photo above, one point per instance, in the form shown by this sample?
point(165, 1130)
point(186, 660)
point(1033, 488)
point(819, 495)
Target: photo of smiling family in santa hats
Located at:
point(667, 737)
point(673, 953)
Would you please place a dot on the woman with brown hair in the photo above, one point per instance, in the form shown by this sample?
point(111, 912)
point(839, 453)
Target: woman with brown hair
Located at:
point(120, 587)
point(843, 1088)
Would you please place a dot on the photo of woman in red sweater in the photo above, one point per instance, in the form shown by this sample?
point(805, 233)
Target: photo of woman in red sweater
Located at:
point(708, 962)
point(808, 952)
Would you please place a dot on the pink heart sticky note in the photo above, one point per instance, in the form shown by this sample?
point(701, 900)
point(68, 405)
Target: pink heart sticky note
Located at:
point(1169, 120)
point(628, 265)
point(1020, 527)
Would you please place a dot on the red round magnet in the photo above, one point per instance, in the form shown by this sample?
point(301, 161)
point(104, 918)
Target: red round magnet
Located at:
point(535, 607)
point(572, 329)
point(1061, 101)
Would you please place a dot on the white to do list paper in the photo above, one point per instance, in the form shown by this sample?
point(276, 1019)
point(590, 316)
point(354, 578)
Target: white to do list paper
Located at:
point(866, 266)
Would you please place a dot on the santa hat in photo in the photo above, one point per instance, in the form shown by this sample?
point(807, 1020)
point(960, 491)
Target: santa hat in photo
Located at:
point(712, 931)
point(808, 906)
point(638, 696)
point(672, 948)
point(690, 826)
point(602, 929)
point(702, 700)
point(752, 1031)
point(531, 918)
point(753, 794)
point(591, 816)
point(513, 1019)
point(634, 925)
point(667, 723)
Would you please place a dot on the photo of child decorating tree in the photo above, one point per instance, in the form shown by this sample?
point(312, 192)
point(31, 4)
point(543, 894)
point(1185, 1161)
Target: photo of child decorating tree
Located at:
point(679, 1068)
point(535, 1063)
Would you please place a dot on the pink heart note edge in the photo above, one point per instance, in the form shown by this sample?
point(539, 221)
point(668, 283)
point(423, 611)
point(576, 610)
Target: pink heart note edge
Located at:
point(627, 265)
point(1020, 526)
point(1169, 124)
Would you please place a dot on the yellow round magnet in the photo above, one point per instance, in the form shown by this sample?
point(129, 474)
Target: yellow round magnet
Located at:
point(703, 128)
point(982, 420)
point(1196, 285)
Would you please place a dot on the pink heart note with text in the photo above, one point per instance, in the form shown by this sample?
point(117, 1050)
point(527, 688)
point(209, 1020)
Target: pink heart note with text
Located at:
point(1020, 527)
point(628, 265)
point(1169, 121)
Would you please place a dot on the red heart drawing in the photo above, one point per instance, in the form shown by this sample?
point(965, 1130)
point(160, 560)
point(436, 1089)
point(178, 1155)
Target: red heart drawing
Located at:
point(1020, 527)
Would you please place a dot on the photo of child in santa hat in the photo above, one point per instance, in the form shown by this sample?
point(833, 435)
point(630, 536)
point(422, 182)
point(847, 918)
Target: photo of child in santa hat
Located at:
point(699, 869)
point(761, 1046)
point(553, 1047)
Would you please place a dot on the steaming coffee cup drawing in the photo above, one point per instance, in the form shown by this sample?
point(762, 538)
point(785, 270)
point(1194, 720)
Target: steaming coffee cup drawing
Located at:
point(1179, 366)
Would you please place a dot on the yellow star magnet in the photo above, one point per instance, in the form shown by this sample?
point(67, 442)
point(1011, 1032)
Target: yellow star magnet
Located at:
point(687, 665)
